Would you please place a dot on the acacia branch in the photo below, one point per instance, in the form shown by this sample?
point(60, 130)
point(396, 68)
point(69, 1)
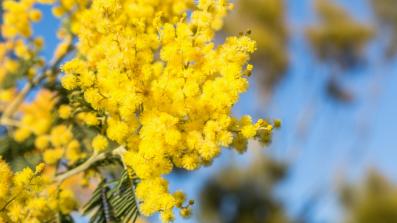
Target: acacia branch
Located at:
point(14, 105)
point(10, 122)
point(119, 151)
point(10, 109)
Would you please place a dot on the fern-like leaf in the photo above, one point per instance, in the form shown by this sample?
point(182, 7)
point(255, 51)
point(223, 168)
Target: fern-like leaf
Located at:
point(114, 202)
point(99, 205)
point(60, 218)
point(123, 199)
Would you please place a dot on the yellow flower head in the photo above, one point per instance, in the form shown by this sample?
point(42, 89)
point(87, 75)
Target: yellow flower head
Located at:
point(99, 143)
point(64, 111)
point(42, 142)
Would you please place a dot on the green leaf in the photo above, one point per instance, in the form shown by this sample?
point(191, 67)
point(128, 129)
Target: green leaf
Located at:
point(99, 206)
point(59, 218)
point(114, 202)
point(124, 200)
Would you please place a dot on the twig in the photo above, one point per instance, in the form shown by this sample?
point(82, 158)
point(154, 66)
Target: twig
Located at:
point(11, 122)
point(16, 102)
point(119, 151)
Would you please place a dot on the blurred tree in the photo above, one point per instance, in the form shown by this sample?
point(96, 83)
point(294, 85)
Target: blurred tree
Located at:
point(17, 153)
point(266, 19)
point(373, 201)
point(386, 13)
point(239, 195)
point(386, 30)
point(338, 40)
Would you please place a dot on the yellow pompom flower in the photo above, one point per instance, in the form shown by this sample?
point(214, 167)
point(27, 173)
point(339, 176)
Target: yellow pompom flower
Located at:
point(58, 11)
point(52, 156)
point(185, 212)
point(42, 142)
point(60, 135)
point(5, 176)
point(190, 161)
point(22, 50)
point(23, 177)
point(117, 130)
point(89, 118)
point(167, 216)
point(67, 201)
point(69, 82)
point(73, 152)
point(180, 198)
point(35, 15)
point(39, 168)
point(99, 143)
point(38, 42)
point(22, 134)
point(249, 131)
point(64, 111)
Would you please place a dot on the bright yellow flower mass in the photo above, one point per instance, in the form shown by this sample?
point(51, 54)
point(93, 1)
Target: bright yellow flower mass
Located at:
point(146, 77)
point(25, 198)
point(159, 79)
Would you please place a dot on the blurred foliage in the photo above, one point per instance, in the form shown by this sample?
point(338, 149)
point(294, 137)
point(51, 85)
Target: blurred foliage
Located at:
point(336, 91)
point(339, 41)
point(386, 12)
point(266, 19)
point(338, 38)
point(372, 201)
point(240, 195)
point(18, 155)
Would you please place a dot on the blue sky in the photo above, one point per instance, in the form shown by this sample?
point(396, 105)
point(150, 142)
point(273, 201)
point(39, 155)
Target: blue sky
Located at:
point(335, 146)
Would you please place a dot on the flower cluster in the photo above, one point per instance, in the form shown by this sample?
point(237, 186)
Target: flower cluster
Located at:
point(26, 196)
point(19, 49)
point(146, 83)
point(163, 87)
point(18, 18)
point(54, 141)
point(36, 118)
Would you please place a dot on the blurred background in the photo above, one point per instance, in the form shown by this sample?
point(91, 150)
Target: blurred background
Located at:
point(328, 70)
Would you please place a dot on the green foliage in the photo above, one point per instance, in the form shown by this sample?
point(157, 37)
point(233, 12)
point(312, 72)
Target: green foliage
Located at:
point(373, 201)
point(386, 13)
point(338, 38)
point(245, 195)
point(113, 202)
point(18, 155)
point(99, 204)
point(61, 218)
